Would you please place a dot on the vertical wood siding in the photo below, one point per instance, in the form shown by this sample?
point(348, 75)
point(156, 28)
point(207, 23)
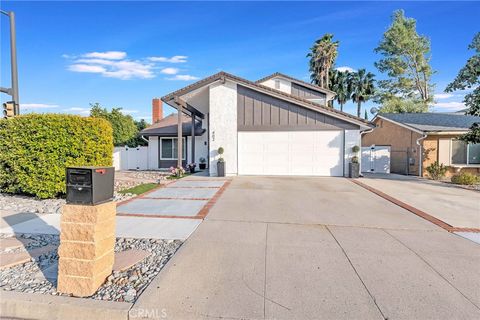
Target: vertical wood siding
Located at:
point(258, 111)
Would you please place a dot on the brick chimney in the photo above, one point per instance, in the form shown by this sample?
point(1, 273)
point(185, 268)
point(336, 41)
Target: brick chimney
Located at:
point(157, 110)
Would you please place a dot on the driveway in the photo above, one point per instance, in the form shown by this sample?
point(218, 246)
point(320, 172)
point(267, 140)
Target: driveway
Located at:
point(316, 248)
point(456, 206)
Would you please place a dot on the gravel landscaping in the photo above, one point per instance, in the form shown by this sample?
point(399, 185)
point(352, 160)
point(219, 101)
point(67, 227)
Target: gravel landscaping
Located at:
point(123, 180)
point(120, 286)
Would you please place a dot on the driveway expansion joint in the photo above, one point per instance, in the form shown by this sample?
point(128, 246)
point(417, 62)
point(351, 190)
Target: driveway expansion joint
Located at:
point(356, 272)
point(431, 267)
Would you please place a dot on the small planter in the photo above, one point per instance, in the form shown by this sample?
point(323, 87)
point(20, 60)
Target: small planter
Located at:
point(353, 170)
point(192, 169)
point(203, 166)
point(221, 169)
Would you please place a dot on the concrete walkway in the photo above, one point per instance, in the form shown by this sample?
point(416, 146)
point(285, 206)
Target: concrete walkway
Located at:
point(456, 206)
point(127, 227)
point(316, 248)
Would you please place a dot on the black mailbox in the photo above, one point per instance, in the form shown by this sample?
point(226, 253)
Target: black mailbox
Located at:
point(89, 185)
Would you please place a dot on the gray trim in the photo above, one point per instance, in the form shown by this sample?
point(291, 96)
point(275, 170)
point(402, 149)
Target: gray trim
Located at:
point(165, 164)
point(257, 111)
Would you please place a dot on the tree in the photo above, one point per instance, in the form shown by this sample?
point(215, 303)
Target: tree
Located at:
point(322, 57)
point(124, 128)
point(469, 77)
point(361, 84)
point(339, 84)
point(406, 62)
point(138, 140)
point(400, 105)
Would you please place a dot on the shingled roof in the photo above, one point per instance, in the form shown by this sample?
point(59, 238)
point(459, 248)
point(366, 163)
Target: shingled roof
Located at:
point(256, 86)
point(167, 127)
point(433, 122)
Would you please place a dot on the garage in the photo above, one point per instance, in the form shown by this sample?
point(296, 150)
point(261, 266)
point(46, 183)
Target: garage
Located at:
point(301, 153)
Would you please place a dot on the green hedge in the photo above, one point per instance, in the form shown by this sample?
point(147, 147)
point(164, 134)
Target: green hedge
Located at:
point(35, 149)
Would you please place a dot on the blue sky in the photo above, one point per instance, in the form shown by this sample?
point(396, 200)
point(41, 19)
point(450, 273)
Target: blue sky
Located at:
point(122, 54)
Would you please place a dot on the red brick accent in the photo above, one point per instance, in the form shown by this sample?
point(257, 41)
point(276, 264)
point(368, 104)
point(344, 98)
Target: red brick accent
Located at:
point(157, 110)
point(408, 207)
point(201, 214)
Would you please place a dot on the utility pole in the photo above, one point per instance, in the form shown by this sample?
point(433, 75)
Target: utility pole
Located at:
point(13, 91)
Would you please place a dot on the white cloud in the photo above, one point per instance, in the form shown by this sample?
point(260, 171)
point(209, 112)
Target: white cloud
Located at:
point(86, 68)
point(121, 69)
point(441, 96)
point(116, 64)
point(37, 106)
point(345, 68)
point(111, 55)
point(449, 106)
point(183, 77)
point(174, 59)
point(169, 71)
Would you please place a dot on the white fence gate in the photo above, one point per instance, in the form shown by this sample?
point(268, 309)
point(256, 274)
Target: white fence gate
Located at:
point(376, 159)
point(126, 158)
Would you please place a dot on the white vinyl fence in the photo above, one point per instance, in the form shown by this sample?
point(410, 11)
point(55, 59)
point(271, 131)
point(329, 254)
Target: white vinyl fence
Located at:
point(126, 158)
point(376, 159)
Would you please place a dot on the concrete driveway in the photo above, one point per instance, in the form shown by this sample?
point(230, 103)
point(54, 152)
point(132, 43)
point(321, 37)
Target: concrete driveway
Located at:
point(454, 205)
point(316, 248)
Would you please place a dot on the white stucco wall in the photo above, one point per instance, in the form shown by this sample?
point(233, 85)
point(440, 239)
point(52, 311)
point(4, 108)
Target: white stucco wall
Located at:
point(223, 125)
point(285, 85)
point(153, 153)
point(352, 138)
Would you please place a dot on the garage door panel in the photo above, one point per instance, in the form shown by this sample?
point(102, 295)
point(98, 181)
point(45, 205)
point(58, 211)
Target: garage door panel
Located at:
point(291, 153)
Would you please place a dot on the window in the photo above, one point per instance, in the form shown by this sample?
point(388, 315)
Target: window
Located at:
point(463, 153)
point(168, 149)
point(277, 84)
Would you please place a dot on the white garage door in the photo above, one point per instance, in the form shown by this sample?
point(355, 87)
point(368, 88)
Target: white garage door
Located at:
point(304, 153)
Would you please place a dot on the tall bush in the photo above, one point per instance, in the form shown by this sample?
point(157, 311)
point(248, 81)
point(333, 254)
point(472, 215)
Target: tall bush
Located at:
point(35, 149)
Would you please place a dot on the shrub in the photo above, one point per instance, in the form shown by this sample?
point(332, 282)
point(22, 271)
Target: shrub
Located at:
point(436, 171)
point(354, 159)
point(35, 149)
point(465, 178)
point(355, 149)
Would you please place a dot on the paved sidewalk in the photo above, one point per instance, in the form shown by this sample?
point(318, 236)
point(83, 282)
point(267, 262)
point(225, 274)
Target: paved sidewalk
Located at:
point(310, 248)
point(127, 227)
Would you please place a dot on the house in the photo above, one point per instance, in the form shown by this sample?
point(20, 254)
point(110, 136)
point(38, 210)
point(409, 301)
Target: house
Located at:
point(278, 125)
point(419, 139)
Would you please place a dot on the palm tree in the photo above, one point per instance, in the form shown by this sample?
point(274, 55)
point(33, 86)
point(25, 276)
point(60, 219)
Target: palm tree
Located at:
point(362, 87)
point(340, 85)
point(322, 56)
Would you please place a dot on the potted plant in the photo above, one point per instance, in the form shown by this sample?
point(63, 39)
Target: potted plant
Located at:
point(220, 163)
point(203, 164)
point(354, 166)
point(191, 167)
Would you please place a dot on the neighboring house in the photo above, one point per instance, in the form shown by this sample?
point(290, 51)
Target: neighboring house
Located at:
point(275, 126)
point(419, 139)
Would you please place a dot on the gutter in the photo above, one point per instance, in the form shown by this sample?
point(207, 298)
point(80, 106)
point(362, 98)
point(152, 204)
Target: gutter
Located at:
point(420, 161)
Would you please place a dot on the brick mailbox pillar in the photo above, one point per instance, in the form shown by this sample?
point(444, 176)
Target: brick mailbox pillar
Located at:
point(86, 252)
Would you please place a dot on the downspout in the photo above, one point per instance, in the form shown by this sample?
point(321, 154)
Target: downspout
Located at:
point(420, 161)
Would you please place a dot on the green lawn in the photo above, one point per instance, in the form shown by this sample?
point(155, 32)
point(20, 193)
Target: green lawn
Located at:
point(141, 188)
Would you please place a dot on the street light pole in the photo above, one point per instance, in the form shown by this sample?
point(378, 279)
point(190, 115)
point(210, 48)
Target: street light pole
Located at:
point(13, 56)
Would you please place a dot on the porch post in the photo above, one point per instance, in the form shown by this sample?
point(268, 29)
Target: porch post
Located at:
point(179, 137)
point(193, 137)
